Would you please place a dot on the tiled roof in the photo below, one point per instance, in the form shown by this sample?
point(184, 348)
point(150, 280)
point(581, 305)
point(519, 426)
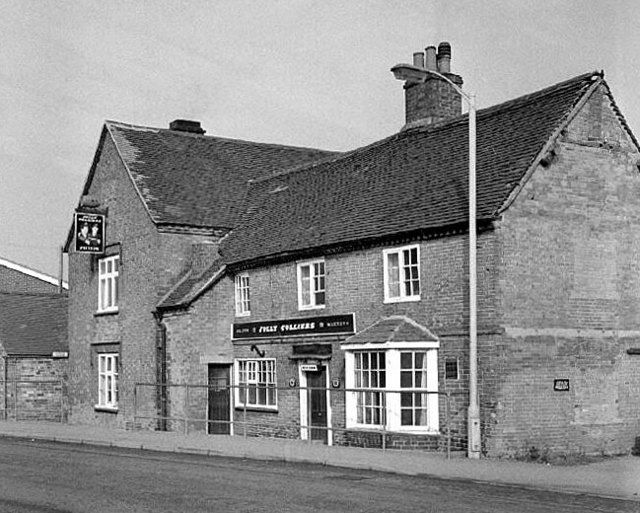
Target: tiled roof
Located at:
point(33, 324)
point(416, 180)
point(198, 180)
point(396, 328)
point(191, 285)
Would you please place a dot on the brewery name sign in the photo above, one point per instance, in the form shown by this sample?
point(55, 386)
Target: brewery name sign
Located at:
point(326, 325)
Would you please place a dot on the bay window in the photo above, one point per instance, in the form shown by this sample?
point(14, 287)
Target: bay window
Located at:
point(394, 387)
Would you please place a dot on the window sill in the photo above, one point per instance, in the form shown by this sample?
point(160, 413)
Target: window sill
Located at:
point(410, 299)
point(312, 307)
point(397, 430)
point(105, 409)
point(100, 313)
point(243, 314)
point(261, 409)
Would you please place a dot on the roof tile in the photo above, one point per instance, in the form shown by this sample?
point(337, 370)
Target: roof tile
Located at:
point(195, 179)
point(33, 324)
point(414, 180)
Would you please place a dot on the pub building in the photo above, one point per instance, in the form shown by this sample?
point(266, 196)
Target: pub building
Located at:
point(269, 290)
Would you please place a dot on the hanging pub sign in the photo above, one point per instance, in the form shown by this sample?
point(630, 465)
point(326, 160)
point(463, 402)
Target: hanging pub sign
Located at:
point(326, 325)
point(89, 232)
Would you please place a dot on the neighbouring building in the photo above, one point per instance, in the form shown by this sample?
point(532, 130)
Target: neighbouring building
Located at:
point(19, 278)
point(333, 304)
point(33, 345)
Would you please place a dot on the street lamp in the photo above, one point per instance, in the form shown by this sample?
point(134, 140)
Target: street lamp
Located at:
point(411, 73)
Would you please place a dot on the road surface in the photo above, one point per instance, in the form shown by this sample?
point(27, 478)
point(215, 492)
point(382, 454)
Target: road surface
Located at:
point(54, 478)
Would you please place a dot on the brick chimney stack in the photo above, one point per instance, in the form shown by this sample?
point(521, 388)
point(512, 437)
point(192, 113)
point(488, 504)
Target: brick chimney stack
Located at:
point(433, 100)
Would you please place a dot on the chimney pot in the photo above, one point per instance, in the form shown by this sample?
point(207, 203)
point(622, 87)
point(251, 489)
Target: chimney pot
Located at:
point(186, 125)
point(430, 52)
point(444, 57)
point(431, 99)
point(418, 59)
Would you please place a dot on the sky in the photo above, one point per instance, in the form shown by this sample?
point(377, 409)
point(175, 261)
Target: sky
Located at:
point(297, 72)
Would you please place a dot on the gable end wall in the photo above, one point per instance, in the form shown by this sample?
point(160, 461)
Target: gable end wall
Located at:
point(570, 299)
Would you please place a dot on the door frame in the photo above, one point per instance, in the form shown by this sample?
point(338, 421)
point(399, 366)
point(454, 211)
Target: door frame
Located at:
point(304, 407)
point(231, 397)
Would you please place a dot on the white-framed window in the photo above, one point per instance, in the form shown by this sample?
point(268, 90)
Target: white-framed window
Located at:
point(108, 380)
point(311, 285)
point(370, 372)
point(401, 274)
point(108, 283)
point(394, 387)
point(243, 298)
point(256, 380)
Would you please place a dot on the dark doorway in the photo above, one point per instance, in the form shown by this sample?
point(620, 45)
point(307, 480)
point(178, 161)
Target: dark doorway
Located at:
point(317, 383)
point(219, 399)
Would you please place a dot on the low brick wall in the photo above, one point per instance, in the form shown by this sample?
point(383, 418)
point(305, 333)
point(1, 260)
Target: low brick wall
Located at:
point(35, 389)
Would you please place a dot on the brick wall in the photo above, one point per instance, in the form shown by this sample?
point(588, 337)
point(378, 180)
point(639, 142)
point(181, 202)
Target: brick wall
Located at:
point(570, 300)
point(15, 281)
point(35, 388)
point(432, 101)
point(149, 262)
point(354, 283)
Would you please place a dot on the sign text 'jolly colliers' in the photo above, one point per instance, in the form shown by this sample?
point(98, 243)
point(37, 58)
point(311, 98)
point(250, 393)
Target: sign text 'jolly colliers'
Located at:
point(327, 325)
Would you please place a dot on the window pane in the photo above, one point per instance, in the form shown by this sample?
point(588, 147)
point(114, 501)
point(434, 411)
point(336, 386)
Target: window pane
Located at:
point(405, 380)
point(406, 418)
point(319, 298)
point(393, 275)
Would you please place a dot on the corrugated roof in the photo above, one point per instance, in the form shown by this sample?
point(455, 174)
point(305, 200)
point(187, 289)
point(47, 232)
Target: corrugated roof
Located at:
point(33, 324)
point(415, 180)
point(198, 180)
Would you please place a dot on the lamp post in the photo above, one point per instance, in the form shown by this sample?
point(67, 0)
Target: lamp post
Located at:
point(408, 72)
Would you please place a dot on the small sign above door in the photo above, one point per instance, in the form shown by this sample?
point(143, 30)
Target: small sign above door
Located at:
point(309, 367)
point(561, 385)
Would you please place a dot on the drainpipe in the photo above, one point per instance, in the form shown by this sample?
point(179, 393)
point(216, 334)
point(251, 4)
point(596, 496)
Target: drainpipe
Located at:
point(161, 372)
point(6, 377)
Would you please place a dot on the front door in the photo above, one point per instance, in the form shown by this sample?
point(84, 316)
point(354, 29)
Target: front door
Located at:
point(317, 385)
point(219, 399)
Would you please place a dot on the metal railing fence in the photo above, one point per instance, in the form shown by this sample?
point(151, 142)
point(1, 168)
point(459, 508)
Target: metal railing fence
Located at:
point(414, 418)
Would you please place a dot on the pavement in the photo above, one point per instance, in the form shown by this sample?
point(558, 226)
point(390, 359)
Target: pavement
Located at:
point(617, 477)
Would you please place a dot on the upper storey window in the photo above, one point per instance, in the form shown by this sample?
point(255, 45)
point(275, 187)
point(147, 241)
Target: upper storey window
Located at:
point(243, 299)
point(108, 271)
point(402, 274)
point(311, 285)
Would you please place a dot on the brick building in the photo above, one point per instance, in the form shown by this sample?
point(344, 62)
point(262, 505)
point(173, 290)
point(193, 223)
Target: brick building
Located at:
point(169, 196)
point(15, 277)
point(336, 305)
point(33, 344)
